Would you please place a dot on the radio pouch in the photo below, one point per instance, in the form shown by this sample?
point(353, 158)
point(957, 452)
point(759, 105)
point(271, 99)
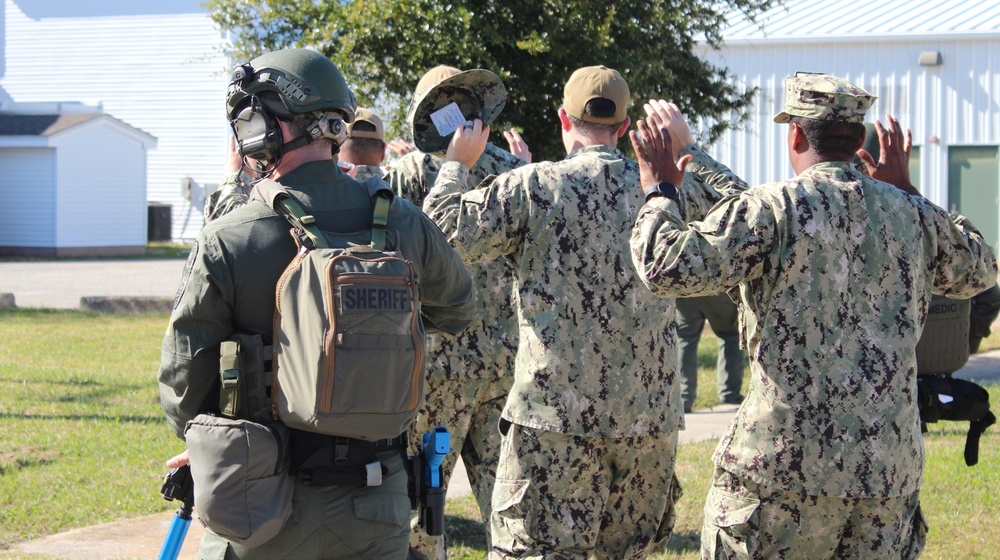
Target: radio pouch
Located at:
point(245, 378)
point(348, 337)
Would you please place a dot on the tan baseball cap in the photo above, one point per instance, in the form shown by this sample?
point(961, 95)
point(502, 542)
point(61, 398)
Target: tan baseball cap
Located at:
point(593, 82)
point(824, 98)
point(362, 114)
point(478, 93)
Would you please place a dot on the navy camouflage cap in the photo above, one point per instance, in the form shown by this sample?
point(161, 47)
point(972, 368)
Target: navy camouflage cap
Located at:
point(825, 98)
point(478, 93)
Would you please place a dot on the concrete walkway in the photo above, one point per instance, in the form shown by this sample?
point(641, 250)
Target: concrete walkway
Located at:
point(78, 284)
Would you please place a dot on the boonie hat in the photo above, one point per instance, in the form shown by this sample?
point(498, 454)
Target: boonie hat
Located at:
point(593, 82)
point(824, 98)
point(362, 114)
point(478, 93)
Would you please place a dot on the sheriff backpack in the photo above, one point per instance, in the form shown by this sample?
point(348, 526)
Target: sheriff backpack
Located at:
point(348, 345)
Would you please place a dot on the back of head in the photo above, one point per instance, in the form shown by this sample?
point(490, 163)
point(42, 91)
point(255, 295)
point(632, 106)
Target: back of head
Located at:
point(597, 95)
point(292, 85)
point(445, 97)
point(365, 144)
point(830, 110)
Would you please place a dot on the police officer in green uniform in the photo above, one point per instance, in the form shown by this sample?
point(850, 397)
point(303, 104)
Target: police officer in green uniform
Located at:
point(468, 376)
point(365, 145)
point(835, 271)
point(590, 426)
point(290, 111)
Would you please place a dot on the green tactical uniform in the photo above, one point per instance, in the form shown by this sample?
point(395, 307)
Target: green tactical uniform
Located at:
point(835, 271)
point(233, 192)
point(229, 286)
point(593, 407)
point(468, 376)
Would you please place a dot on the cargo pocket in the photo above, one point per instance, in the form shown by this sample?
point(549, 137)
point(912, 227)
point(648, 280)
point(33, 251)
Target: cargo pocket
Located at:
point(726, 529)
point(669, 518)
point(390, 513)
point(912, 548)
point(511, 522)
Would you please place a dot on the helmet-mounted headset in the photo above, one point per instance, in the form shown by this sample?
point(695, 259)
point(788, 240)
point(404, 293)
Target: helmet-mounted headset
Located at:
point(283, 85)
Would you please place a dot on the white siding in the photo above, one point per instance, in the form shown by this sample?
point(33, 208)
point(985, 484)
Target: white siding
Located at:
point(152, 64)
point(101, 199)
point(27, 215)
point(957, 103)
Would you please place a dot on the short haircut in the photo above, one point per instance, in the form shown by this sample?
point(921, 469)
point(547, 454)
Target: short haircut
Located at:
point(366, 151)
point(831, 140)
point(598, 107)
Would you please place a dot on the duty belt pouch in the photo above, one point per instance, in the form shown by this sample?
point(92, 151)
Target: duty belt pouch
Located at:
point(242, 489)
point(245, 378)
point(942, 397)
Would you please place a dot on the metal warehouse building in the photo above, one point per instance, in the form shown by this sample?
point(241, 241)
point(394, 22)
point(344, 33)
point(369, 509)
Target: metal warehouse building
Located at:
point(933, 65)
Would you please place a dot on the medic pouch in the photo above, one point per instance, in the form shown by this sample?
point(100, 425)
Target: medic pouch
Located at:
point(943, 348)
point(348, 336)
point(246, 376)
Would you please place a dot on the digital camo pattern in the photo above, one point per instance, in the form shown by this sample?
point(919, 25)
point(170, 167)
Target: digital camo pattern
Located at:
point(233, 192)
point(597, 352)
point(746, 520)
point(563, 496)
point(468, 375)
point(835, 273)
point(824, 97)
point(486, 349)
point(478, 93)
point(368, 171)
point(470, 409)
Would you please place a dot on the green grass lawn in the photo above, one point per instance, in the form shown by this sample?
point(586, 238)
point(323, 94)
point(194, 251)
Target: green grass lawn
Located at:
point(83, 441)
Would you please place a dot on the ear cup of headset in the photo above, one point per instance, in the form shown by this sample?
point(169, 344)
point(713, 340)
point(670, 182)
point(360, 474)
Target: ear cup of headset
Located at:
point(257, 134)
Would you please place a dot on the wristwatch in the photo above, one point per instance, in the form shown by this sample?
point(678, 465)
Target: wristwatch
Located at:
point(662, 189)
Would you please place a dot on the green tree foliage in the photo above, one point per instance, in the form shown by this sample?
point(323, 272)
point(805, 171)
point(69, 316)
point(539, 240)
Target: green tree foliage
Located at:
point(385, 46)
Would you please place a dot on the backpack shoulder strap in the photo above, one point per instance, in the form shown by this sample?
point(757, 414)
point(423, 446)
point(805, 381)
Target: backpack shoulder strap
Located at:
point(277, 197)
point(382, 193)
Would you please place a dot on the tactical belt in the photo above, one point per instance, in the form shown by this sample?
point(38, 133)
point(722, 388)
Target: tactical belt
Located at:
point(324, 460)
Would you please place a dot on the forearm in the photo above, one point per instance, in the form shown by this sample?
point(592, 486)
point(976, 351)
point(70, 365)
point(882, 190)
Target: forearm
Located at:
point(720, 177)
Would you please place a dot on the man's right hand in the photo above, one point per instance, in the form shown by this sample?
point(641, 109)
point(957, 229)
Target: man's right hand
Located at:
point(468, 143)
point(178, 460)
point(654, 149)
point(893, 165)
point(671, 117)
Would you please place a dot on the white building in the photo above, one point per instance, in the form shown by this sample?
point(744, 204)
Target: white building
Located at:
point(74, 182)
point(934, 65)
point(155, 65)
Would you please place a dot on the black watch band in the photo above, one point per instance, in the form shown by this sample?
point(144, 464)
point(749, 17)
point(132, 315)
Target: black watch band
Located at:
point(662, 189)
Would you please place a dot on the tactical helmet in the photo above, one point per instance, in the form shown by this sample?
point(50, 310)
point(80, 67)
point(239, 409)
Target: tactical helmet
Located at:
point(305, 81)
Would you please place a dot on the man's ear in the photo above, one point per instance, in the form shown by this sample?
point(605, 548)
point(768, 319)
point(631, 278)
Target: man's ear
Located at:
point(624, 126)
point(797, 140)
point(564, 119)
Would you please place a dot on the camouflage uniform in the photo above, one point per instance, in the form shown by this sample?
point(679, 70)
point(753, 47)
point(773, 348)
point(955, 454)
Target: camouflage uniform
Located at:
point(369, 171)
point(591, 421)
point(233, 192)
point(468, 376)
point(835, 272)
